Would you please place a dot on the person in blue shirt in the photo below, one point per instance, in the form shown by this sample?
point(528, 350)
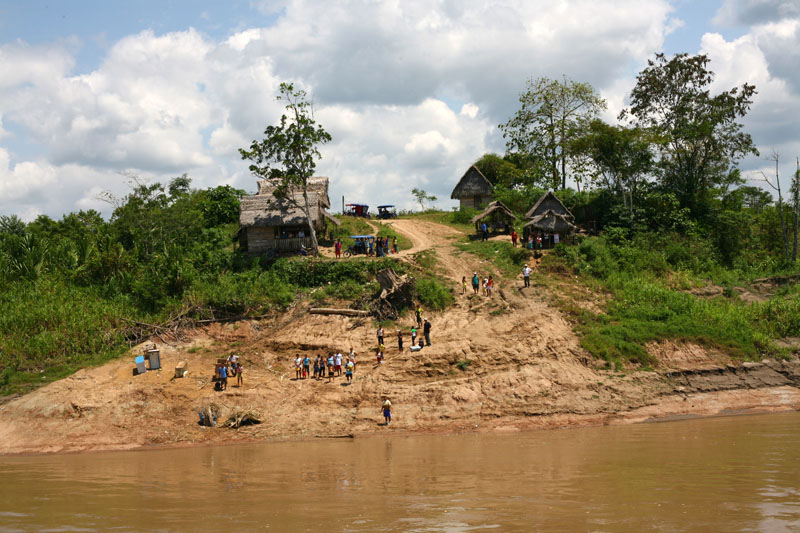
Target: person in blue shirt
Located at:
point(223, 376)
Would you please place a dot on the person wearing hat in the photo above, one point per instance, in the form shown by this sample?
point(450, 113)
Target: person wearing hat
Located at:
point(526, 275)
point(476, 282)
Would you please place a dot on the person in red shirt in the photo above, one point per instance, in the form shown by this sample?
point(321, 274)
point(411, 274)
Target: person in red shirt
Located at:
point(514, 238)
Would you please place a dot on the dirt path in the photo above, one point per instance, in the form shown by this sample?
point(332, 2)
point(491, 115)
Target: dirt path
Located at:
point(500, 364)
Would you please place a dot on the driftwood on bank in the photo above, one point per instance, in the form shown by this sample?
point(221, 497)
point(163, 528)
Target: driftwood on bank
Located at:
point(333, 311)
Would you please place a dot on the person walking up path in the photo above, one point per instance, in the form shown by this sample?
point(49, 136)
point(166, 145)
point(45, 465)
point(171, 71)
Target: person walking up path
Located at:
point(380, 334)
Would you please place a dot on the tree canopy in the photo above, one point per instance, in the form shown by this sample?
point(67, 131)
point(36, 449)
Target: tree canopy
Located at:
point(552, 114)
point(697, 136)
point(288, 154)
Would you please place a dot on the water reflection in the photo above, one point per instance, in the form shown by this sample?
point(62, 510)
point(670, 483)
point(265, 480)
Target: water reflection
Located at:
point(718, 474)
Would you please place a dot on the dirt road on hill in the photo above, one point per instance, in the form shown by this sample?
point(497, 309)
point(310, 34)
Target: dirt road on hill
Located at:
point(508, 363)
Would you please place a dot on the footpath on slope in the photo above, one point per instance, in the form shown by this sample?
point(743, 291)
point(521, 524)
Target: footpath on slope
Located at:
point(502, 364)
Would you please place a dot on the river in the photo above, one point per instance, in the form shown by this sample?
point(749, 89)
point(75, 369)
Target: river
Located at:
point(723, 474)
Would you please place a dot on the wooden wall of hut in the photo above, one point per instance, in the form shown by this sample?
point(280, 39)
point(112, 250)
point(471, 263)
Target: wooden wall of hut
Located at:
point(258, 239)
point(476, 202)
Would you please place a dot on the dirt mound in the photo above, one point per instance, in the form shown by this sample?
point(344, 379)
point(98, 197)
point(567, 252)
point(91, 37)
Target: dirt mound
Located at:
point(494, 364)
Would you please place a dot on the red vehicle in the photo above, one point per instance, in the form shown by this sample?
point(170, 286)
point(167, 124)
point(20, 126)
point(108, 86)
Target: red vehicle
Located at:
point(356, 210)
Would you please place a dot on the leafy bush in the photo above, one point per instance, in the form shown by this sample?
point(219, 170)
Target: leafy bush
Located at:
point(433, 294)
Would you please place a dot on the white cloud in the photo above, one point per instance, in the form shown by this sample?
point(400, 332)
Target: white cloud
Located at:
point(382, 75)
point(772, 118)
point(749, 12)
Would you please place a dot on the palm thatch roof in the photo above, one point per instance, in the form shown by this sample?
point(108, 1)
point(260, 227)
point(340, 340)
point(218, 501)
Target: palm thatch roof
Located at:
point(317, 184)
point(473, 183)
point(266, 210)
point(498, 208)
point(551, 222)
point(549, 202)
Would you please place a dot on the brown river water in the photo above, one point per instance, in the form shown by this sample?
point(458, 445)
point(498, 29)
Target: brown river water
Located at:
point(723, 474)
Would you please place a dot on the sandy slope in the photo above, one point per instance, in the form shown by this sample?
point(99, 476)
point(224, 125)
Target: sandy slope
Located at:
point(526, 370)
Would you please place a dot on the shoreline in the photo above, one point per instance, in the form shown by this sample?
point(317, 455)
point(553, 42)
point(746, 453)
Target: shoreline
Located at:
point(770, 400)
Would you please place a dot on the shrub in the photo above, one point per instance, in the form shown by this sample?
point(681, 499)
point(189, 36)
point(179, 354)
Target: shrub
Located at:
point(433, 294)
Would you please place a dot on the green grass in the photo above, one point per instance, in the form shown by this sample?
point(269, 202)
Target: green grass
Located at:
point(505, 257)
point(645, 304)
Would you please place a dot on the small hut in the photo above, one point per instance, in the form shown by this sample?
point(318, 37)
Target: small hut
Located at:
point(548, 202)
point(550, 223)
point(279, 224)
point(473, 190)
point(497, 216)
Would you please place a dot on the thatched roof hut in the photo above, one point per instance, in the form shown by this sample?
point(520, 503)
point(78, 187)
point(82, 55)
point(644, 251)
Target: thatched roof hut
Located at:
point(549, 202)
point(317, 183)
point(551, 222)
point(496, 214)
point(473, 190)
point(270, 223)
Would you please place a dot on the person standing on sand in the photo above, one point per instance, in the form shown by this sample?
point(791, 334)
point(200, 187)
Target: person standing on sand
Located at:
point(485, 286)
point(526, 275)
point(489, 286)
point(387, 411)
point(306, 365)
point(400, 340)
point(330, 368)
point(316, 367)
point(380, 334)
point(427, 332)
point(239, 380)
point(352, 357)
point(413, 335)
point(476, 282)
point(337, 360)
point(348, 371)
point(223, 377)
point(463, 284)
point(298, 364)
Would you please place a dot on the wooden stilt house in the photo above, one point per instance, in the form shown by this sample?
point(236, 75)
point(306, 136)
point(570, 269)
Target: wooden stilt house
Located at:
point(267, 223)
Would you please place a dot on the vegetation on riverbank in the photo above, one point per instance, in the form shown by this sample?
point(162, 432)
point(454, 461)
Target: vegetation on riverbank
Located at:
point(78, 291)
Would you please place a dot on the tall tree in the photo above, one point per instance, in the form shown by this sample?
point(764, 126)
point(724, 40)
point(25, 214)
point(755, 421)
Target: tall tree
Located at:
point(621, 157)
point(287, 155)
point(551, 115)
point(698, 137)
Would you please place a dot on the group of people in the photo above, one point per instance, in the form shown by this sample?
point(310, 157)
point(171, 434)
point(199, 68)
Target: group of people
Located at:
point(364, 245)
point(382, 246)
point(416, 345)
point(332, 366)
point(487, 284)
point(231, 368)
point(538, 239)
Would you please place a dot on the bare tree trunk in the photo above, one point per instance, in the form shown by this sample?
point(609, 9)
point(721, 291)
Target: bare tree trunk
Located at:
point(312, 231)
point(796, 206)
point(784, 229)
point(777, 186)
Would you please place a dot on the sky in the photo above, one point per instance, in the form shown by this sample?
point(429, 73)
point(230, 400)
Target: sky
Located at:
point(95, 93)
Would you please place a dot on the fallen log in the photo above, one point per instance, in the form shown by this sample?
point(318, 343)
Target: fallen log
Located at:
point(332, 311)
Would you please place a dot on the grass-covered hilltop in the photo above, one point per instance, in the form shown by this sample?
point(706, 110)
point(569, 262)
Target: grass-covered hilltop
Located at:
point(673, 245)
